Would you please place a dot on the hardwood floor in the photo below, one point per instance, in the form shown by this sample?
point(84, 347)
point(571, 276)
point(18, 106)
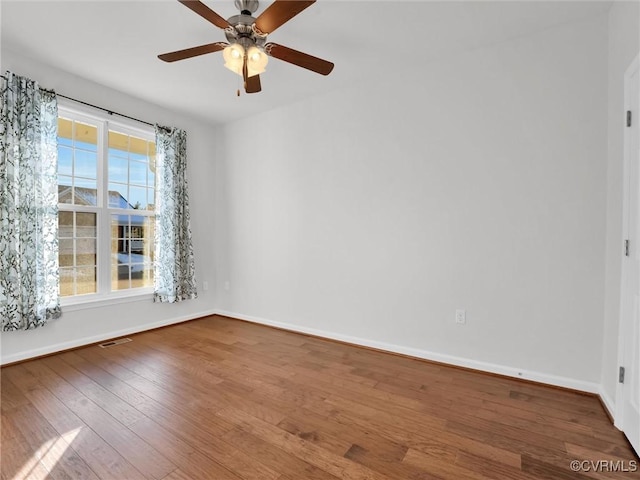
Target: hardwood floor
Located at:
point(219, 399)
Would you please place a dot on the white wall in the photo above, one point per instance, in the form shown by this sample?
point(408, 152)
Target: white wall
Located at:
point(372, 213)
point(90, 325)
point(624, 45)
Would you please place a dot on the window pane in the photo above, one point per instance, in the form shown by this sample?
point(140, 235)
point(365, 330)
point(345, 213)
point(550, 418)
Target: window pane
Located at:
point(77, 254)
point(66, 282)
point(131, 251)
point(77, 281)
point(65, 190)
point(65, 131)
point(77, 162)
point(118, 169)
point(86, 164)
point(86, 260)
point(138, 173)
point(118, 144)
point(85, 280)
point(138, 197)
point(119, 229)
point(120, 278)
point(65, 252)
point(65, 160)
point(65, 224)
point(119, 252)
point(86, 136)
point(85, 251)
point(85, 192)
point(118, 196)
point(136, 238)
point(137, 148)
point(122, 257)
point(85, 224)
point(137, 277)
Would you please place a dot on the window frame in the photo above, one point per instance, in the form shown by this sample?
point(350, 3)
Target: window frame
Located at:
point(104, 295)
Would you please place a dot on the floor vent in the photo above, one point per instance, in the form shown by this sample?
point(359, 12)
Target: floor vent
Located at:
point(112, 343)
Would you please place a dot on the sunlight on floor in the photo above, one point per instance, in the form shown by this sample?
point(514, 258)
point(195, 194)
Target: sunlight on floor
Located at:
point(44, 460)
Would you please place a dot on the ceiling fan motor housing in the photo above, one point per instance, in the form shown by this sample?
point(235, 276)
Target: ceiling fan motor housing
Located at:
point(241, 29)
point(249, 6)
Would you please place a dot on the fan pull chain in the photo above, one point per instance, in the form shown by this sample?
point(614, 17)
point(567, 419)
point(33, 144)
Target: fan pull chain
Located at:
point(238, 90)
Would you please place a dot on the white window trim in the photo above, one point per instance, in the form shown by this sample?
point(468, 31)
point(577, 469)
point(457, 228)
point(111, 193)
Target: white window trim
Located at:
point(104, 121)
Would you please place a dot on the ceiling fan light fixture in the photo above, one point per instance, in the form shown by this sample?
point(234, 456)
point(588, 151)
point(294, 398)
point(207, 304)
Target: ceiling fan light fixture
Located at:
point(234, 58)
point(247, 56)
point(256, 61)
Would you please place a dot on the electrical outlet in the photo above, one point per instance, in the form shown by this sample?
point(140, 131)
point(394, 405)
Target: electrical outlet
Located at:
point(205, 285)
point(461, 316)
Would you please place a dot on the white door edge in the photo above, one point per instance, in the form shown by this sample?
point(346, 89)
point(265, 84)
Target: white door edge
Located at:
point(624, 298)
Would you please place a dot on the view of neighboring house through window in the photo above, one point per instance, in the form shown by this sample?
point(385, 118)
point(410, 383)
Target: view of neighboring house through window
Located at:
point(106, 200)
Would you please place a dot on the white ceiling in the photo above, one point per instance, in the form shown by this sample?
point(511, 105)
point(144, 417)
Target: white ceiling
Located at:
point(116, 43)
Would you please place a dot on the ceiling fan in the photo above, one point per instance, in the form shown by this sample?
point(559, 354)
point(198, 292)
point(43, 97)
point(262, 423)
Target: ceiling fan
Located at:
point(247, 51)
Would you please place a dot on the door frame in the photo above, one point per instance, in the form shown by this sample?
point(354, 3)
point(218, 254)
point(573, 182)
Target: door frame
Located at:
point(624, 322)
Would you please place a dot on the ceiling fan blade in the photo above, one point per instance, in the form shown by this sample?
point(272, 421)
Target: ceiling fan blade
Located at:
point(280, 12)
point(205, 12)
point(252, 85)
point(192, 52)
point(300, 59)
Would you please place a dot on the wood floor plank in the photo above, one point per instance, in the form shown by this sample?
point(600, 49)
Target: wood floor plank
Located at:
point(137, 452)
point(110, 403)
point(11, 397)
point(316, 436)
point(178, 474)
point(226, 399)
point(19, 460)
point(103, 459)
point(395, 469)
point(189, 458)
point(50, 449)
point(219, 389)
point(304, 450)
point(205, 438)
point(195, 409)
point(290, 466)
point(490, 468)
point(303, 422)
point(440, 442)
point(442, 468)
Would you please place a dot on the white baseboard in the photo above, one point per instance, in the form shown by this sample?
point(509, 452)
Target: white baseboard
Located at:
point(80, 342)
point(607, 402)
point(508, 371)
point(413, 352)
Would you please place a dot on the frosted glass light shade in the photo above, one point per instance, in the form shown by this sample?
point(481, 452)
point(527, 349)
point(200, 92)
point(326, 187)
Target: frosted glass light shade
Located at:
point(256, 61)
point(234, 57)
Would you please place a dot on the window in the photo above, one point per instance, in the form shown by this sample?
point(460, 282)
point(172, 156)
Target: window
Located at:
point(106, 195)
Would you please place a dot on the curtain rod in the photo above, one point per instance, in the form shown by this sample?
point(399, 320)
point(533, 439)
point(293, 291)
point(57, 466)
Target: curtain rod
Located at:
point(110, 112)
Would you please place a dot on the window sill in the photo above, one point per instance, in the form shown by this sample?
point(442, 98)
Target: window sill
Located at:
point(98, 301)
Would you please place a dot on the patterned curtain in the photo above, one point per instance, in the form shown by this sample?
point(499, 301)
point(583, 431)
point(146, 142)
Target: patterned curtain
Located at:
point(29, 277)
point(174, 266)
